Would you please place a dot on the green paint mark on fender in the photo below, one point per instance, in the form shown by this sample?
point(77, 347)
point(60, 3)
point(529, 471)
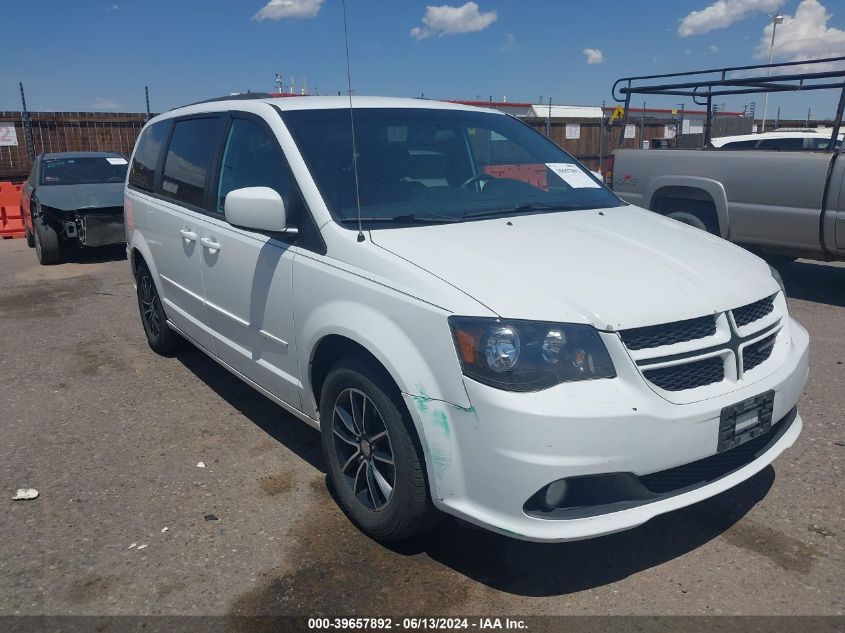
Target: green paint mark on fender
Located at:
point(441, 422)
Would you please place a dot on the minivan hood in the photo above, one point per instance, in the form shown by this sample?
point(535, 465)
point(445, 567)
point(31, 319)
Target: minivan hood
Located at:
point(72, 197)
point(614, 268)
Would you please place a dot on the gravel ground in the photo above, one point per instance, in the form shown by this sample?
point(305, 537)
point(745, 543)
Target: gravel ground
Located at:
point(126, 523)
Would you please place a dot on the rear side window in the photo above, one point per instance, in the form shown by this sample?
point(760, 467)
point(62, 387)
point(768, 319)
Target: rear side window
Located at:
point(188, 160)
point(142, 173)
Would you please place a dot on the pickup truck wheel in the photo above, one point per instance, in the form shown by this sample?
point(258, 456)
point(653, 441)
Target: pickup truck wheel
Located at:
point(688, 218)
point(161, 338)
point(46, 243)
point(30, 238)
point(375, 464)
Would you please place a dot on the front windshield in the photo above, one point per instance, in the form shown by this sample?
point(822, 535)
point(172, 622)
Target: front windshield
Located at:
point(421, 164)
point(87, 170)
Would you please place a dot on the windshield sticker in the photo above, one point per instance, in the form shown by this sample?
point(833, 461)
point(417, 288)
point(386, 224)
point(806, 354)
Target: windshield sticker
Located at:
point(170, 186)
point(116, 160)
point(573, 176)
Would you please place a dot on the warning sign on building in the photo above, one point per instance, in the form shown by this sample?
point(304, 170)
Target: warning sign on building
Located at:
point(8, 138)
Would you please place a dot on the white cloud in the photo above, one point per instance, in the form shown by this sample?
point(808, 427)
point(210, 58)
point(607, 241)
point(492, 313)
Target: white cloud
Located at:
point(805, 35)
point(282, 9)
point(105, 104)
point(713, 49)
point(446, 20)
point(593, 55)
point(508, 43)
point(113, 7)
point(721, 14)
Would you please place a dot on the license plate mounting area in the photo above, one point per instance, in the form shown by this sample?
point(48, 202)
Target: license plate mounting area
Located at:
point(745, 420)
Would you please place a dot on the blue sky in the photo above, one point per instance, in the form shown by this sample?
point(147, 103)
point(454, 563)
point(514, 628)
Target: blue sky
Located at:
point(99, 55)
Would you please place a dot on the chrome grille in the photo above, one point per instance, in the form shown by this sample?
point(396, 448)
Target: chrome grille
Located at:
point(669, 333)
point(689, 375)
point(758, 352)
point(753, 311)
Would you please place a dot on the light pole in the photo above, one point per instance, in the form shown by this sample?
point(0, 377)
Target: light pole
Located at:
point(777, 18)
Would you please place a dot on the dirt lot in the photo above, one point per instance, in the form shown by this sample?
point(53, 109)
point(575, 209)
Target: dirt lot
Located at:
point(111, 435)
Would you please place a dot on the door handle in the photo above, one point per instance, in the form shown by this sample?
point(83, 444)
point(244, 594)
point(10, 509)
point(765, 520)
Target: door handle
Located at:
point(210, 244)
point(188, 236)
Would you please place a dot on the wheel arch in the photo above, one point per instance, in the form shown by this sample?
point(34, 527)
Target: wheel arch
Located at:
point(695, 189)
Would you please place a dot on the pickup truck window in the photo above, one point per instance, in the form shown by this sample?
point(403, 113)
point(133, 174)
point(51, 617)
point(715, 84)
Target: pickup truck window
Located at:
point(438, 166)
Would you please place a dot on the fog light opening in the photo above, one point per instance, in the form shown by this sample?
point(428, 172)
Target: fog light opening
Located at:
point(555, 494)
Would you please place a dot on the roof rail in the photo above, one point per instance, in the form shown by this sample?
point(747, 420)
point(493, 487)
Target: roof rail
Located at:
point(703, 85)
point(244, 96)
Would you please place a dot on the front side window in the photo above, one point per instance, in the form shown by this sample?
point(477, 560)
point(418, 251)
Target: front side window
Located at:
point(252, 158)
point(189, 157)
point(420, 164)
point(83, 171)
point(142, 173)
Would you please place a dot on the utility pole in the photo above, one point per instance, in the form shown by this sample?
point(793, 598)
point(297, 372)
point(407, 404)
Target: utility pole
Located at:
point(147, 99)
point(601, 141)
point(549, 120)
point(642, 125)
point(777, 18)
point(27, 126)
point(809, 116)
point(777, 119)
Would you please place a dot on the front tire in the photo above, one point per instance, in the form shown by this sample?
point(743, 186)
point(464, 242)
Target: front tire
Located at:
point(46, 242)
point(161, 338)
point(375, 463)
point(30, 238)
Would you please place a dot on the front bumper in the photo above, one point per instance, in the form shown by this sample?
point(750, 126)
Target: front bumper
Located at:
point(485, 462)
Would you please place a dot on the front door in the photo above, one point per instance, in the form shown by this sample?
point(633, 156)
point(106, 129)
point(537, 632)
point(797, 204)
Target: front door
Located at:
point(248, 275)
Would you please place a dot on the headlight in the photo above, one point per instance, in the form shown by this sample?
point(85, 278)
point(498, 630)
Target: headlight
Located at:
point(528, 355)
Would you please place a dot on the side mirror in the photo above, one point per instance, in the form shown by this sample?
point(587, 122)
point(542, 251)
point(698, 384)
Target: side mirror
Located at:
point(259, 208)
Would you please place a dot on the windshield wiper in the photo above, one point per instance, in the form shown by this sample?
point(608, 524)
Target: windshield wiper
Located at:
point(528, 207)
point(408, 218)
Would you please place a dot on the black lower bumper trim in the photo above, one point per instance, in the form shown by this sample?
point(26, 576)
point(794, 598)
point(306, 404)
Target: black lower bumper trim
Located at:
point(592, 495)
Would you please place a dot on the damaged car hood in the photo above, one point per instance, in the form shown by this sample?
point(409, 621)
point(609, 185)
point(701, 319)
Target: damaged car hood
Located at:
point(613, 268)
point(73, 197)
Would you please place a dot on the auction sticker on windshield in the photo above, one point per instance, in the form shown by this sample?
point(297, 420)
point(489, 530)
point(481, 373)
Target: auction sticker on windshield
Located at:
point(573, 176)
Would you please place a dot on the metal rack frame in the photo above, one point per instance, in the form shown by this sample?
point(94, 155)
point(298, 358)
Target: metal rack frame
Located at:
point(703, 85)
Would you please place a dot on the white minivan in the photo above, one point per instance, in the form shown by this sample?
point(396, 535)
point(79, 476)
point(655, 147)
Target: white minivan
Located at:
point(477, 326)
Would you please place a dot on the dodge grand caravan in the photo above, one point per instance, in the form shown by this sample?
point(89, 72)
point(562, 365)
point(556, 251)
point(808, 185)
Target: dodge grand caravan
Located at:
point(476, 325)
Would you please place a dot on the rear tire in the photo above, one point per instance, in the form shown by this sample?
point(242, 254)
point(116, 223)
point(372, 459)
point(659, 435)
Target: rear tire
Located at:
point(698, 213)
point(30, 238)
point(161, 338)
point(688, 219)
point(46, 243)
point(375, 462)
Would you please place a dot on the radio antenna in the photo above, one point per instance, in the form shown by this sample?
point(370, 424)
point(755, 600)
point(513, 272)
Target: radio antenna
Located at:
point(352, 126)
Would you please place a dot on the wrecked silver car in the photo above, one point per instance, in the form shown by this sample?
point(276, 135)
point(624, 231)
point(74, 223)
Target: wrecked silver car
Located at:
point(73, 199)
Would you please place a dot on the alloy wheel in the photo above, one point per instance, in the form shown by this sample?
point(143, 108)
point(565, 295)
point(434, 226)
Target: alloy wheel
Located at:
point(150, 306)
point(363, 449)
